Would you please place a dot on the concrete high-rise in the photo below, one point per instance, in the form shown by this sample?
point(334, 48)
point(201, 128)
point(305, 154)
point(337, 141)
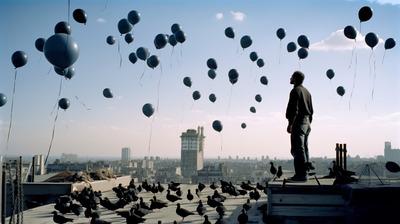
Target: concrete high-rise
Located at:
point(126, 154)
point(192, 151)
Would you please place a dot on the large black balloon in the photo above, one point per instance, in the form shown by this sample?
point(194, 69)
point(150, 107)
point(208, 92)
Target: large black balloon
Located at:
point(175, 28)
point(212, 97)
point(350, 32)
point(253, 56)
point(291, 46)
point(62, 27)
point(129, 38)
point(212, 63)
point(187, 81)
point(212, 73)
point(160, 41)
point(148, 109)
point(172, 40)
point(217, 125)
point(39, 44)
point(196, 95)
point(330, 73)
point(61, 50)
point(80, 16)
point(281, 33)
point(303, 41)
point(19, 59)
point(365, 13)
point(124, 26)
point(64, 103)
point(133, 58)
point(390, 43)
point(3, 99)
point(233, 76)
point(264, 80)
point(371, 39)
point(142, 53)
point(230, 32)
point(107, 93)
point(110, 40)
point(180, 36)
point(153, 61)
point(246, 41)
point(302, 53)
point(133, 17)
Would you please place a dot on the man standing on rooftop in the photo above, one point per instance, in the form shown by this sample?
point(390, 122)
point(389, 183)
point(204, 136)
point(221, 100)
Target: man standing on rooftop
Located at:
point(299, 113)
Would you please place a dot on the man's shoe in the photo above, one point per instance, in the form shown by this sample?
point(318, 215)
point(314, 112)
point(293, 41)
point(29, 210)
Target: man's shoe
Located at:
point(310, 165)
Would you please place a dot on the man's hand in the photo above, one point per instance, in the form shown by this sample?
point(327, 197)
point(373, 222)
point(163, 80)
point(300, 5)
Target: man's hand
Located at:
point(289, 128)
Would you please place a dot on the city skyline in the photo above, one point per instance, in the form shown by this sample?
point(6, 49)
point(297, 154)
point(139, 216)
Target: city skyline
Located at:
point(365, 117)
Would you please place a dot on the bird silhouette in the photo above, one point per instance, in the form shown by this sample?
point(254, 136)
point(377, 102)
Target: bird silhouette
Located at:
point(189, 195)
point(206, 221)
point(272, 169)
point(60, 219)
point(182, 212)
point(243, 218)
point(201, 186)
point(75, 208)
point(172, 198)
point(212, 202)
point(179, 192)
point(279, 172)
point(247, 205)
point(213, 186)
point(156, 204)
point(221, 210)
point(160, 187)
point(255, 195)
point(201, 210)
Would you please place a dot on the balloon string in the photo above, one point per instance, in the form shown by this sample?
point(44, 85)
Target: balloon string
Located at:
point(58, 97)
point(105, 6)
point(373, 85)
point(140, 79)
point(52, 136)
point(69, 10)
point(84, 105)
point(354, 81)
point(383, 56)
point(352, 54)
point(170, 58)
point(11, 112)
point(280, 49)
point(151, 131)
point(158, 90)
point(230, 99)
point(119, 52)
point(221, 140)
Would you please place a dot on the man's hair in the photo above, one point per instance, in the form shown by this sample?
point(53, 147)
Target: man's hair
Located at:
point(298, 76)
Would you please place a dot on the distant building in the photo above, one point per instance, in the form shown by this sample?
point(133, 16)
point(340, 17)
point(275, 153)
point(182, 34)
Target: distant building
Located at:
point(391, 154)
point(213, 173)
point(39, 164)
point(192, 152)
point(69, 158)
point(126, 154)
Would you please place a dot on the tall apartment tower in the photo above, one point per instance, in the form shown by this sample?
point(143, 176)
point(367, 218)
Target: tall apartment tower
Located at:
point(192, 151)
point(126, 154)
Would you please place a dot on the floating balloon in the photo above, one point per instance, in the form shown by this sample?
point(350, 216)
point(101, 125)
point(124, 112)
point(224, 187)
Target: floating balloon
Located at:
point(212, 63)
point(160, 41)
point(19, 59)
point(172, 40)
point(153, 61)
point(196, 95)
point(340, 90)
point(230, 32)
point(148, 109)
point(124, 26)
point(64, 103)
point(180, 36)
point(264, 80)
point(60, 71)
point(61, 50)
point(3, 99)
point(129, 38)
point(62, 27)
point(281, 33)
point(80, 16)
point(107, 93)
point(212, 73)
point(217, 125)
point(390, 43)
point(253, 109)
point(110, 40)
point(246, 41)
point(133, 58)
point(39, 44)
point(253, 56)
point(330, 73)
point(175, 28)
point(291, 47)
point(302, 53)
point(187, 81)
point(303, 41)
point(143, 53)
point(233, 76)
point(365, 13)
point(70, 72)
point(258, 98)
point(350, 32)
point(260, 63)
point(212, 97)
point(133, 17)
point(243, 125)
point(371, 39)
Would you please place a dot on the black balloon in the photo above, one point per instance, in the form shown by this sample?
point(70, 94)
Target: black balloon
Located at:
point(19, 59)
point(180, 36)
point(212, 63)
point(330, 73)
point(124, 26)
point(110, 40)
point(246, 41)
point(217, 125)
point(107, 93)
point(233, 76)
point(253, 56)
point(212, 97)
point(212, 73)
point(264, 80)
point(291, 47)
point(371, 39)
point(129, 38)
point(62, 27)
point(133, 58)
point(187, 81)
point(64, 103)
point(148, 109)
point(80, 16)
point(39, 44)
point(230, 32)
point(390, 43)
point(133, 17)
point(196, 95)
point(350, 32)
point(175, 28)
point(160, 41)
point(365, 13)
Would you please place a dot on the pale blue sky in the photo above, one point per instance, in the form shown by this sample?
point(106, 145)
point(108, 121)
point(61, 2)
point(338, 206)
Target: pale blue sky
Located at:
point(363, 122)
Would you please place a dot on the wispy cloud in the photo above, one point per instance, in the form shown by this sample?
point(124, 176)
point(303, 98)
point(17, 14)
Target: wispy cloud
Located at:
point(392, 2)
point(219, 15)
point(337, 41)
point(101, 20)
point(239, 16)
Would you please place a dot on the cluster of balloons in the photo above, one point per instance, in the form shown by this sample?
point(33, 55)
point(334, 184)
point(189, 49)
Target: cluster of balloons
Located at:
point(302, 41)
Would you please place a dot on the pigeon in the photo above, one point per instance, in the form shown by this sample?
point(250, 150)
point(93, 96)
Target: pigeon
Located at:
point(182, 212)
point(243, 218)
point(172, 198)
point(221, 220)
point(63, 208)
point(279, 172)
point(189, 195)
point(201, 186)
point(212, 202)
point(160, 187)
point(213, 186)
point(255, 195)
point(247, 205)
point(206, 221)
point(179, 192)
point(75, 208)
point(96, 220)
point(201, 210)
point(221, 210)
point(144, 204)
point(259, 187)
point(157, 204)
point(272, 169)
point(60, 219)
